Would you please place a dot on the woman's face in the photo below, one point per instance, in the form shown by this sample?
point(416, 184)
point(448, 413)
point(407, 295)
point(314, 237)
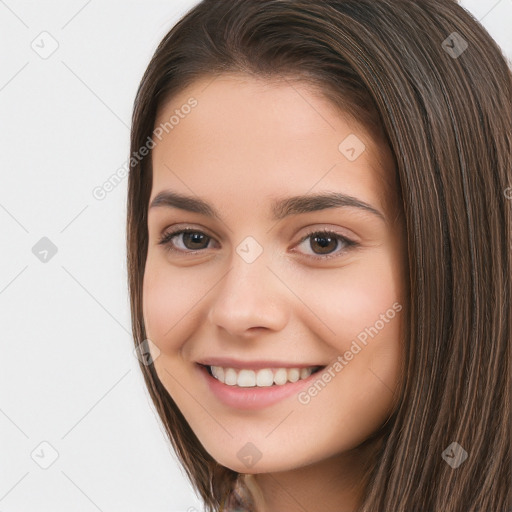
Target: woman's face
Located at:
point(255, 287)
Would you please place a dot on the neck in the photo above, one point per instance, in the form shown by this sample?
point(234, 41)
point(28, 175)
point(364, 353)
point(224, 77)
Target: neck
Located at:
point(331, 485)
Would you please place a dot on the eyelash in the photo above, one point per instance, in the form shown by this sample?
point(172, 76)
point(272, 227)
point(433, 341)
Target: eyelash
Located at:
point(166, 239)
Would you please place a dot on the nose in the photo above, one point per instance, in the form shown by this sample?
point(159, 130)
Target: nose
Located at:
point(249, 297)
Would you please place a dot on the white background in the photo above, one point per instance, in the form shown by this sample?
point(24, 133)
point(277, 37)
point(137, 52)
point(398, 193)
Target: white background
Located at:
point(67, 372)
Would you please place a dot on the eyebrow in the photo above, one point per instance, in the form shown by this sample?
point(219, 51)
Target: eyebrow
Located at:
point(281, 208)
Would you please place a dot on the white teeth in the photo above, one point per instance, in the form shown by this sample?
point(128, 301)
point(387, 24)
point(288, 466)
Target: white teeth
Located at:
point(260, 378)
point(305, 372)
point(230, 377)
point(246, 378)
point(218, 372)
point(293, 374)
point(280, 377)
point(265, 377)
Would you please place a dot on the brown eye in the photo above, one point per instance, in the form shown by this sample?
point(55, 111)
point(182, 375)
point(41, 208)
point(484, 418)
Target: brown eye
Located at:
point(194, 241)
point(323, 244)
point(191, 240)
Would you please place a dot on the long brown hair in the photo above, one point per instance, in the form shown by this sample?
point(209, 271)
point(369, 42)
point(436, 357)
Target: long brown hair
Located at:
point(426, 76)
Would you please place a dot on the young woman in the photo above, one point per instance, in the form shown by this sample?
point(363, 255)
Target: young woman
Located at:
point(319, 254)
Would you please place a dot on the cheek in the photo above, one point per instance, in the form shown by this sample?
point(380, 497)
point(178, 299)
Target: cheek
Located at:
point(357, 298)
point(366, 300)
point(169, 296)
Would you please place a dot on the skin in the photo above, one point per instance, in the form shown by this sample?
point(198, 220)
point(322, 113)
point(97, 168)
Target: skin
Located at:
point(247, 142)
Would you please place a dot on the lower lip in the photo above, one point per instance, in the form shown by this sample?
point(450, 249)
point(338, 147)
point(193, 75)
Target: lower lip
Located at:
point(251, 398)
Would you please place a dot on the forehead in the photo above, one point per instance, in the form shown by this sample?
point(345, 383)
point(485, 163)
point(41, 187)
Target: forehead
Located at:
point(254, 132)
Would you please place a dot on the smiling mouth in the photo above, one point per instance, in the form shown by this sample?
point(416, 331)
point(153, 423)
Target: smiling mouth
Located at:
point(265, 377)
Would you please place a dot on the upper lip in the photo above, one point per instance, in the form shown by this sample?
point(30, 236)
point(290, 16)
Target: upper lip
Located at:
point(229, 362)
